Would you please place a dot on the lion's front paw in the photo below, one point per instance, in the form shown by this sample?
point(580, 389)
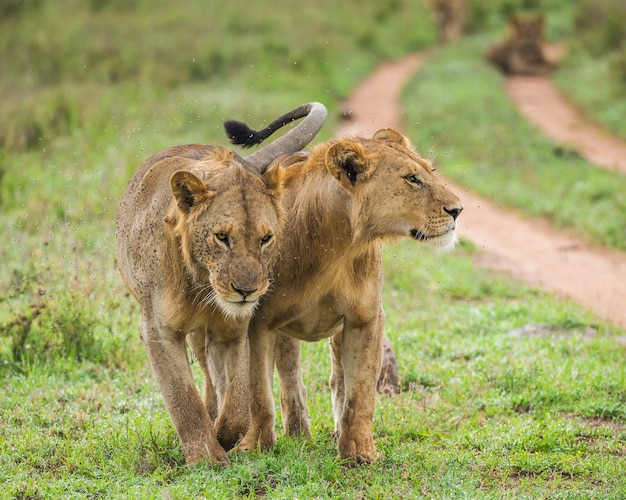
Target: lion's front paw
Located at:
point(199, 452)
point(297, 425)
point(264, 438)
point(361, 451)
point(229, 433)
point(246, 444)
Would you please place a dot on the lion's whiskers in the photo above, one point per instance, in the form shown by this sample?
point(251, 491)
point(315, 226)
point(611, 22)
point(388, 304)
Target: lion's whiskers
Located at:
point(425, 230)
point(209, 299)
point(204, 295)
point(432, 154)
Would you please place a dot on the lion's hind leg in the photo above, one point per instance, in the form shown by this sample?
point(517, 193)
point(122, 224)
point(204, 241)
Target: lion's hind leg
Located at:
point(293, 403)
point(337, 384)
point(389, 378)
point(261, 431)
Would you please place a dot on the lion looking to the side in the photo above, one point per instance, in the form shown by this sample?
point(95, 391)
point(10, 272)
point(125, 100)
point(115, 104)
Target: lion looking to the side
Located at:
point(340, 201)
point(522, 53)
point(197, 232)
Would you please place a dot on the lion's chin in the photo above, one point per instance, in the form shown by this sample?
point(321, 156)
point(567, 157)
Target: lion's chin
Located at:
point(236, 310)
point(442, 242)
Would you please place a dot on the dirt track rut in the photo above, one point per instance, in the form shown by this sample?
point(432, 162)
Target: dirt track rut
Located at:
point(529, 249)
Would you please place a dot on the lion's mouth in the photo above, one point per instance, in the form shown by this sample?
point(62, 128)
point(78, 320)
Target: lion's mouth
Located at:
point(443, 241)
point(418, 235)
point(245, 302)
point(240, 309)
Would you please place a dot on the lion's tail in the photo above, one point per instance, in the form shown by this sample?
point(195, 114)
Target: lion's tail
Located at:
point(295, 140)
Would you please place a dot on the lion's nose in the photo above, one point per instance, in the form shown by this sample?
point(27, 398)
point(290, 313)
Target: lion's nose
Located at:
point(243, 293)
point(454, 212)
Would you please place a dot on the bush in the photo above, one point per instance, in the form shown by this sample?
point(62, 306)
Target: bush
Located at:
point(10, 9)
point(51, 327)
point(599, 26)
point(593, 73)
point(618, 71)
point(32, 120)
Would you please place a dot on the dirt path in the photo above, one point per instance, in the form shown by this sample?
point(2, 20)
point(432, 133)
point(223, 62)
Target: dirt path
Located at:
point(544, 107)
point(529, 249)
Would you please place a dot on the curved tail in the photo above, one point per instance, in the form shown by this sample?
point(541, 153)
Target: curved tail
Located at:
point(295, 140)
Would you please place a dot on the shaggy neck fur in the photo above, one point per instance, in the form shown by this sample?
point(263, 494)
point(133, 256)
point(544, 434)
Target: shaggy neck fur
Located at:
point(191, 282)
point(328, 215)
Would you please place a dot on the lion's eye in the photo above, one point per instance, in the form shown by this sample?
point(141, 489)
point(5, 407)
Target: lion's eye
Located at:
point(223, 237)
point(413, 179)
point(266, 239)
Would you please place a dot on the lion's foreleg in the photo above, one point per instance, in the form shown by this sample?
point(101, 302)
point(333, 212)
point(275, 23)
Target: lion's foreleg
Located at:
point(229, 368)
point(168, 357)
point(293, 403)
point(361, 358)
point(197, 342)
point(262, 416)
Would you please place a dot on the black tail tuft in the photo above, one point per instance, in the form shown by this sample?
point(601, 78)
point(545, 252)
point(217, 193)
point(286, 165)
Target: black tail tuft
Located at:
point(293, 141)
point(239, 133)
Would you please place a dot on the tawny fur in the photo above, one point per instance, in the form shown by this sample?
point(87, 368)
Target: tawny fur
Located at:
point(341, 201)
point(197, 234)
point(522, 53)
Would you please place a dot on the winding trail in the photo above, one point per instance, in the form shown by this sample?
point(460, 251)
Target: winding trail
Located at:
point(548, 110)
point(528, 249)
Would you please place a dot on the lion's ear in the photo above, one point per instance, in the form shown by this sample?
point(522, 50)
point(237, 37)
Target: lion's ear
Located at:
point(273, 179)
point(391, 135)
point(347, 162)
point(188, 190)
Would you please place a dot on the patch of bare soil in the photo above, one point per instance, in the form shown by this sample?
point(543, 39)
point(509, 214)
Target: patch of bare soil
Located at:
point(529, 249)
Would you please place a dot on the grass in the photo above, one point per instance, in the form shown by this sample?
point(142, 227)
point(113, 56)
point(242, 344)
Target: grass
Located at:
point(487, 409)
point(507, 391)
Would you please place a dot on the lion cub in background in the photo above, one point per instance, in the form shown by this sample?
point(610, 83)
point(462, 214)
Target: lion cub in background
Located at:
point(522, 52)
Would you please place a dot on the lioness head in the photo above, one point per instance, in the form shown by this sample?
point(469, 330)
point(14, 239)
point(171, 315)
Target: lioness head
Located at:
point(526, 40)
point(227, 222)
point(527, 31)
point(398, 193)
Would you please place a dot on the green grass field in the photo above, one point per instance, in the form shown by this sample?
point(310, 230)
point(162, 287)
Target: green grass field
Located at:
point(508, 392)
